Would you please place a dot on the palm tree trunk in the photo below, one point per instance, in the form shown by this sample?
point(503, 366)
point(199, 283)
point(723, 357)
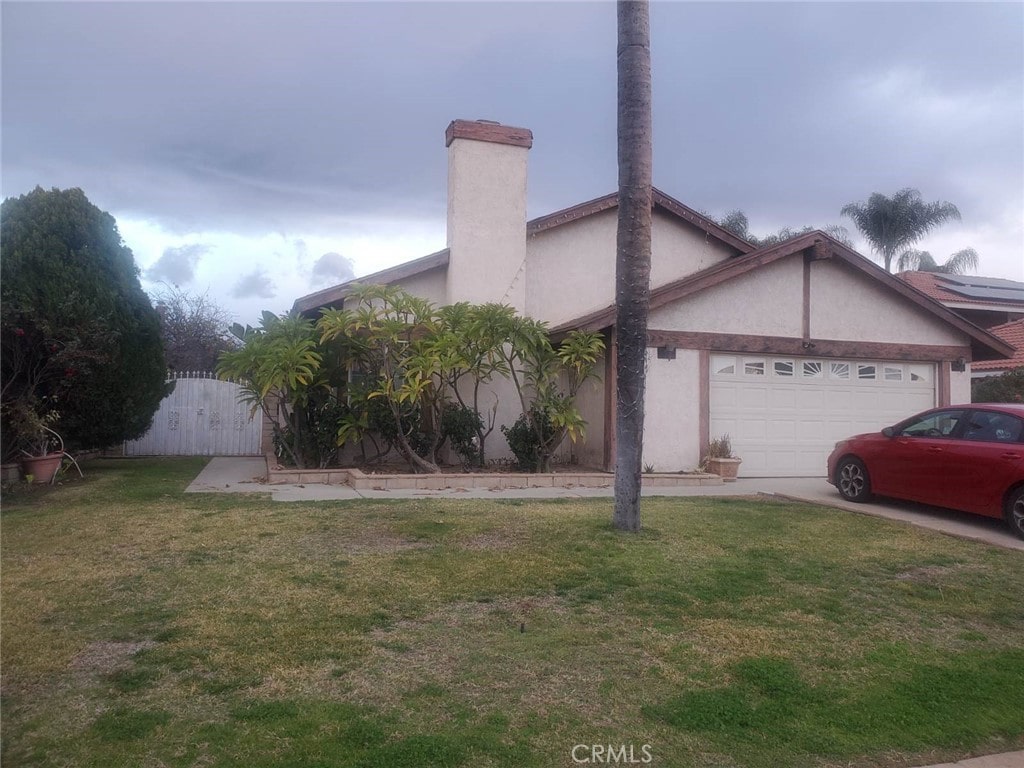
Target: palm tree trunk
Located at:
point(633, 254)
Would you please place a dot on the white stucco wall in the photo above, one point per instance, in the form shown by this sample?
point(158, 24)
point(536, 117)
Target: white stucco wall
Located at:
point(571, 268)
point(767, 301)
point(849, 305)
point(486, 222)
point(431, 285)
point(672, 416)
point(960, 387)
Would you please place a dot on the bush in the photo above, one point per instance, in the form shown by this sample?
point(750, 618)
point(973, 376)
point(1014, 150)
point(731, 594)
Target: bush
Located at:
point(79, 333)
point(1006, 388)
point(524, 442)
point(460, 426)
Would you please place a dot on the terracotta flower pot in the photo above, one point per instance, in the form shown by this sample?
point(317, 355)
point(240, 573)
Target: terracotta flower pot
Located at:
point(42, 468)
point(727, 469)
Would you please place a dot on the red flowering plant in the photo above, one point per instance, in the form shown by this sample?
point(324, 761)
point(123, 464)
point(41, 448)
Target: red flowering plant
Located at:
point(39, 373)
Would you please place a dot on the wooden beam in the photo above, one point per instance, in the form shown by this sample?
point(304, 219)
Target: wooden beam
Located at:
point(784, 345)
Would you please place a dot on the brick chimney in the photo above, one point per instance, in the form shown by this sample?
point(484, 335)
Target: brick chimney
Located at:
point(487, 212)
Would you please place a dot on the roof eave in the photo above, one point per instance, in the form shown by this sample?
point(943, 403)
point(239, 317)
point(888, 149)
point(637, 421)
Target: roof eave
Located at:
point(336, 294)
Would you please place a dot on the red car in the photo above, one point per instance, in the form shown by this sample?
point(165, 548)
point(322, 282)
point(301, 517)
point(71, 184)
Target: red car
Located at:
point(964, 457)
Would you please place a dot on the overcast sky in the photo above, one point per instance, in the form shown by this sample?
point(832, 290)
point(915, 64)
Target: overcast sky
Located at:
point(260, 151)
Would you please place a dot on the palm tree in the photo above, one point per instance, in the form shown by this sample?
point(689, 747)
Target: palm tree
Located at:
point(633, 254)
point(959, 263)
point(737, 223)
point(893, 224)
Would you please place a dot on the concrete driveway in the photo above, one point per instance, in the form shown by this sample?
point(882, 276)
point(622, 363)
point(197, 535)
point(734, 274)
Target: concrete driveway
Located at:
point(248, 475)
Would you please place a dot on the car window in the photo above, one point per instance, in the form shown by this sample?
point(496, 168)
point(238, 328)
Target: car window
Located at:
point(990, 427)
point(941, 424)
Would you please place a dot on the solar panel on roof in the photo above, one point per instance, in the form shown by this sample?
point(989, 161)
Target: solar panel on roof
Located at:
point(981, 282)
point(991, 294)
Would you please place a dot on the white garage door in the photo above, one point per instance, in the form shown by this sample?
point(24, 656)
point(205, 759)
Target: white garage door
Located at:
point(785, 414)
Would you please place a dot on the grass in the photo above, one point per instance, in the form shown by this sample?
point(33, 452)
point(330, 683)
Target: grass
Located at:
point(142, 626)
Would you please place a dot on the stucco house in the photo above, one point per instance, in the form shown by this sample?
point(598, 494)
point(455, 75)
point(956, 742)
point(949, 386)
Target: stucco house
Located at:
point(786, 348)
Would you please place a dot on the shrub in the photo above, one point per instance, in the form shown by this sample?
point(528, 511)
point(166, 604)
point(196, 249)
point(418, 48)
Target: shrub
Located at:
point(460, 426)
point(525, 443)
point(1006, 388)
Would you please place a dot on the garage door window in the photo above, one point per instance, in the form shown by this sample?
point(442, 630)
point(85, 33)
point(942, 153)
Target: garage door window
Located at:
point(722, 365)
point(753, 367)
point(892, 373)
point(840, 370)
point(921, 373)
point(866, 372)
point(783, 368)
point(813, 369)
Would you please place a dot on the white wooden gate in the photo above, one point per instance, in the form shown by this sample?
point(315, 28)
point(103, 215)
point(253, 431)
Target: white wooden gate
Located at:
point(201, 417)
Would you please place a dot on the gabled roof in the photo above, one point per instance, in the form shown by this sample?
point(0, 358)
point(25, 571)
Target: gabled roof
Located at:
point(659, 200)
point(1013, 334)
point(979, 292)
point(336, 294)
point(823, 247)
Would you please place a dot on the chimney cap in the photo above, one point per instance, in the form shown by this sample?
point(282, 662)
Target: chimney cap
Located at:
point(488, 130)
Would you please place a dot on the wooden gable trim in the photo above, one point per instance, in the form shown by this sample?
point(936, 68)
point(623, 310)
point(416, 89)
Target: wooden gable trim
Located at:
point(335, 295)
point(815, 245)
point(794, 347)
point(698, 281)
point(658, 200)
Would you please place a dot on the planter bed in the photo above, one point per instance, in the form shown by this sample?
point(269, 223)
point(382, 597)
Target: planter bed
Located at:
point(362, 481)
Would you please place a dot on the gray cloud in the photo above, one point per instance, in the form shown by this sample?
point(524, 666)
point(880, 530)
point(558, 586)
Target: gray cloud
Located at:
point(177, 265)
point(300, 118)
point(332, 268)
point(256, 284)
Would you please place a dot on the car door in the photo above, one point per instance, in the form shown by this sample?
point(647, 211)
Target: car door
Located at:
point(987, 456)
point(915, 463)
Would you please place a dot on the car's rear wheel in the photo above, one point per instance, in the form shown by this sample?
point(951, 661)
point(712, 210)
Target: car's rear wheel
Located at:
point(852, 480)
point(1015, 511)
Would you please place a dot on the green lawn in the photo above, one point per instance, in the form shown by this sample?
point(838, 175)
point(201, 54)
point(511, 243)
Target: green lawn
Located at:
point(144, 627)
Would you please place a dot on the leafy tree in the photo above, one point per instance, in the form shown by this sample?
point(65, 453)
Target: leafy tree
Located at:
point(633, 254)
point(1005, 388)
point(194, 329)
point(959, 263)
point(79, 335)
point(477, 333)
point(394, 338)
point(547, 380)
point(280, 370)
point(893, 224)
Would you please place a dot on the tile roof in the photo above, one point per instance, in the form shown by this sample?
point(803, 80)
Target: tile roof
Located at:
point(1013, 334)
point(942, 288)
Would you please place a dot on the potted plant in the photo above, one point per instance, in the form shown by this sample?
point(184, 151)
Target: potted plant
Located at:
point(719, 459)
point(41, 447)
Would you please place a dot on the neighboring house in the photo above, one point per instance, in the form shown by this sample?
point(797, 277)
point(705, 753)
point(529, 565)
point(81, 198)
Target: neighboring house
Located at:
point(786, 348)
point(985, 301)
point(1013, 334)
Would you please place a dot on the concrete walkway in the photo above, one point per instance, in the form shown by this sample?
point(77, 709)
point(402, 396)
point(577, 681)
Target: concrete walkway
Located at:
point(1005, 760)
point(248, 475)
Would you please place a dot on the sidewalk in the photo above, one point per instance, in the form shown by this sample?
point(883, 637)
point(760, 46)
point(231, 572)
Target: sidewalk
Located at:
point(1005, 760)
point(248, 475)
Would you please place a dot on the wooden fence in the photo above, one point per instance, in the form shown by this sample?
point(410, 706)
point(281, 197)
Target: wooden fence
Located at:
point(203, 416)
